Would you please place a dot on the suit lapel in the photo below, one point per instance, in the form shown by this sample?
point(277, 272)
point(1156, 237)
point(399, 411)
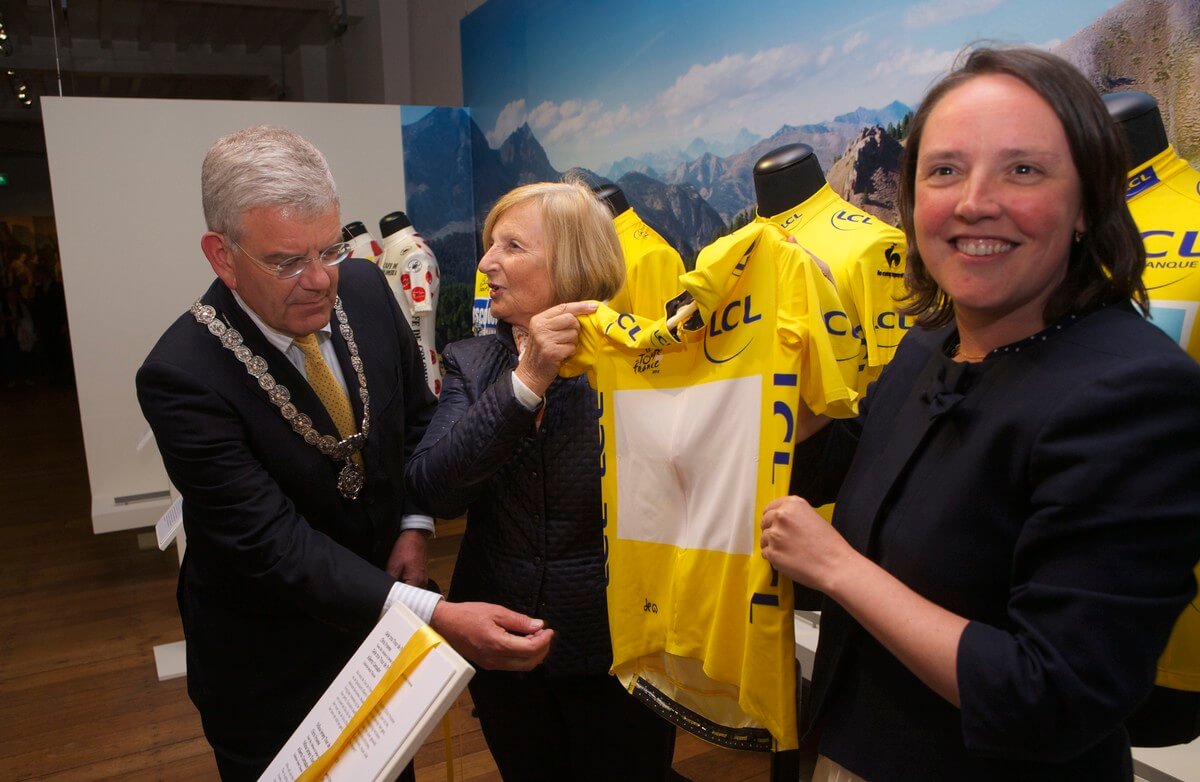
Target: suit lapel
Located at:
point(880, 463)
point(302, 395)
point(910, 427)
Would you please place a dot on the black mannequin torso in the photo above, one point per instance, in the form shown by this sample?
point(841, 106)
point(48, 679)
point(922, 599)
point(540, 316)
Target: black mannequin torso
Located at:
point(351, 230)
point(392, 222)
point(785, 177)
point(613, 197)
point(1139, 118)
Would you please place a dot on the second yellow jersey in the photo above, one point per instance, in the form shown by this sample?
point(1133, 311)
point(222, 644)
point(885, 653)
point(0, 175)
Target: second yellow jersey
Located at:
point(866, 257)
point(652, 267)
point(1164, 199)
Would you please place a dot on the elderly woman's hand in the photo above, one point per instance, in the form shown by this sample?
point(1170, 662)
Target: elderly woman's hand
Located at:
point(553, 334)
point(802, 545)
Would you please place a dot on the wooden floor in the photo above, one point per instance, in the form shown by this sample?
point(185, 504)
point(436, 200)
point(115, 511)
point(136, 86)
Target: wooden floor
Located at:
point(80, 614)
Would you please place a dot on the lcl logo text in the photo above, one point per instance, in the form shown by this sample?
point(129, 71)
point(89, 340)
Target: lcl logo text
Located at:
point(735, 313)
point(838, 323)
point(855, 219)
point(892, 320)
point(1186, 244)
point(793, 217)
point(628, 324)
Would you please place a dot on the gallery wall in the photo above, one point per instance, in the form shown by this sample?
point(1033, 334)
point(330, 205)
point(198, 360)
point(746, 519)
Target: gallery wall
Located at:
point(125, 176)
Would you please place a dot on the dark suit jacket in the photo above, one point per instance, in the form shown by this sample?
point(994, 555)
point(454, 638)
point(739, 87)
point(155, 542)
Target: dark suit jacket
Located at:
point(1049, 495)
point(282, 577)
point(535, 536)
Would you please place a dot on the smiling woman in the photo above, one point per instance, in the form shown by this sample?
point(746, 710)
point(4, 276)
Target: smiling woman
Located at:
point(1015, 525)
point(1016, 147)
point(995, 221)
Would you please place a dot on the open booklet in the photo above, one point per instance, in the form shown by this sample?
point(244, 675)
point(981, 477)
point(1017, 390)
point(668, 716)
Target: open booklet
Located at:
point(391, 694)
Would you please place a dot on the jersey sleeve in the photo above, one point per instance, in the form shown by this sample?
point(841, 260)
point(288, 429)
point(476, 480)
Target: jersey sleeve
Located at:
point(829, 360)
point(607, 327)
point(878, 284)
point(583, 360)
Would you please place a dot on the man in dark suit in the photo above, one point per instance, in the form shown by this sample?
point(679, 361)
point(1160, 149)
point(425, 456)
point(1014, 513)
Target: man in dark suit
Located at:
point(286, 435)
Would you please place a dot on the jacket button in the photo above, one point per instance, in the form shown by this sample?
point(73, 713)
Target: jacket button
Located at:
point(533, 473)
point(537, 561)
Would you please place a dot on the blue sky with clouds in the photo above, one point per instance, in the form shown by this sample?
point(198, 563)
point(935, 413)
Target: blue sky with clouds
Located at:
point(599, 81)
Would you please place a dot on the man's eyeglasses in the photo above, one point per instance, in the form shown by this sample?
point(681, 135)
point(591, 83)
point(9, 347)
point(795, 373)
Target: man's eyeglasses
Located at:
point(294, 266)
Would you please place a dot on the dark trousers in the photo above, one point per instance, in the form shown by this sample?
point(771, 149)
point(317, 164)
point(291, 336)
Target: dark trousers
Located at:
point(576, 728)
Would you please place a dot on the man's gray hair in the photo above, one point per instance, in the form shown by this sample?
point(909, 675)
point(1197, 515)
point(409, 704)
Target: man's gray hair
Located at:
point(263, 166)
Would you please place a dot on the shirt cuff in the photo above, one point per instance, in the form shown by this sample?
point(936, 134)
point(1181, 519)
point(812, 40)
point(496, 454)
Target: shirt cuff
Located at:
point(417, 521)
point(524, 394)
point(420, 601)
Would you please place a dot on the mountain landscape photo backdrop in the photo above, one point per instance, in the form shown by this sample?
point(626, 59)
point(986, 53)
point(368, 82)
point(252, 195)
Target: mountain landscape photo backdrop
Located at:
point(677, 108)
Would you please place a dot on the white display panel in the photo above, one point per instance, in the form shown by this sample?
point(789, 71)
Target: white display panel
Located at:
point(125, 176)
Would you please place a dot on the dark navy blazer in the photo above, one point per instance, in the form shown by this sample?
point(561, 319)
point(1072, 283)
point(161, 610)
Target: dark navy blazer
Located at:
point(1049, 494)
point(283, 577)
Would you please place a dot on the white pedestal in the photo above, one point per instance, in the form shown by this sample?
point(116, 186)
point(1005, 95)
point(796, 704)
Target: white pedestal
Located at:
point(808, 628)
point(170, 661)
point(1168, 764)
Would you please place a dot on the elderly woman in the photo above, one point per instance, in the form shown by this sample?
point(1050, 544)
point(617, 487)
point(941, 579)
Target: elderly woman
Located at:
point(517, 448)
point(1016, 522)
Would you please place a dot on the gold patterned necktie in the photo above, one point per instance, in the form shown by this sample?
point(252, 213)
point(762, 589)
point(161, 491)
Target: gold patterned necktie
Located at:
point(329, 391)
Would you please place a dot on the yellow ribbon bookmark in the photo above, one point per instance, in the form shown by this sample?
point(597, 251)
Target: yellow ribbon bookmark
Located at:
point(419, 645)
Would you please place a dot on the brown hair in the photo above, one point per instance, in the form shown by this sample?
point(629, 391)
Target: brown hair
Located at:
point(1106, 263)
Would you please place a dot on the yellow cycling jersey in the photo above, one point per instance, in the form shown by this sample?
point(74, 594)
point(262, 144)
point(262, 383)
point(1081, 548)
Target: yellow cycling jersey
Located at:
point(652, 267)
point(866, 257)
point(1164, 199)
point(482, 322)
point(697, 429)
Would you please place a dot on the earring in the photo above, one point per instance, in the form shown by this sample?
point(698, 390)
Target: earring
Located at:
point(1078, 237)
